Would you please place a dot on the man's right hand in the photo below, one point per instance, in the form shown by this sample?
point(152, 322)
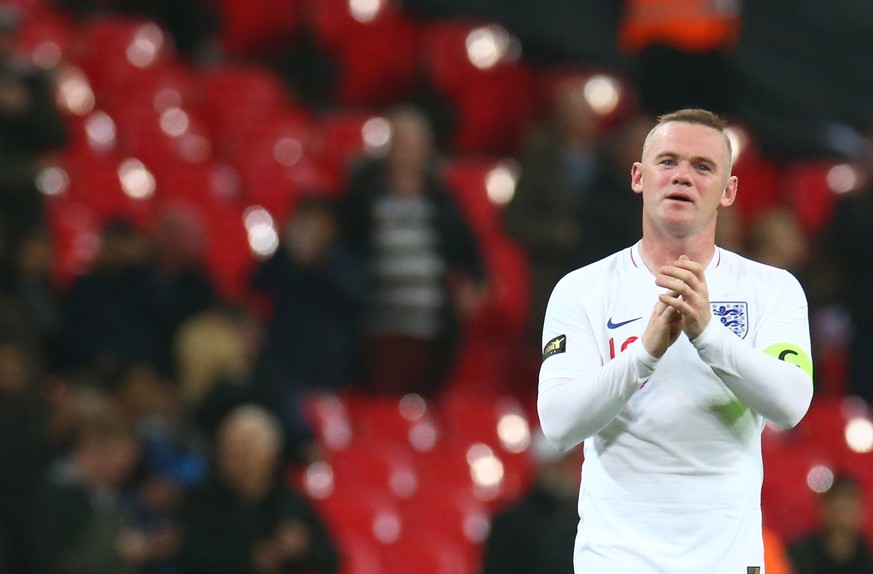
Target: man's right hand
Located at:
point(665, 325)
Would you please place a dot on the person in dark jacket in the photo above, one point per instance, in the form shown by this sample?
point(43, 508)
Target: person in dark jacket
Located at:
point(839, 547)
point(532, 535)
point(424, 267)
point(244, 519)
point(314, 288)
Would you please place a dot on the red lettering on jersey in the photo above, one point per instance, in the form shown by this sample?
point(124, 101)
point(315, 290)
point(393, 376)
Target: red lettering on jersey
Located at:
point(624, 345)
point(628, 342)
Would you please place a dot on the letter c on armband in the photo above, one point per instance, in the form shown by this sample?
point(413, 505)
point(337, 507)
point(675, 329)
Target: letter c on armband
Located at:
point(791, 354)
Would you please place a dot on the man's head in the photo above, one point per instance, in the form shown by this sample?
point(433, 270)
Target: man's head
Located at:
point(107, 449)
point(249, 446)
point(842, 506)
point(694, 116)
point(684, 174)
point(412, 140)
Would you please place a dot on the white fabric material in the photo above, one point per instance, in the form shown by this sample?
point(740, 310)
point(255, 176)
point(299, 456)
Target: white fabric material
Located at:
point(672, 473)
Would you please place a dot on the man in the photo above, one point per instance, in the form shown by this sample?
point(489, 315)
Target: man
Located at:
point(531, 536)
point(244, 519)
point(838, 546)
point(666, 358)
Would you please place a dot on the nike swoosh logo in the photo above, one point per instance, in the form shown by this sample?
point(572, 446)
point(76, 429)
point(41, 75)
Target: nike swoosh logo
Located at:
point(611, 325)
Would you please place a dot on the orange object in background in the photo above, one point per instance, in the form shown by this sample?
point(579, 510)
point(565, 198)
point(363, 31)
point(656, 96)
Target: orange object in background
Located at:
point(692, 25)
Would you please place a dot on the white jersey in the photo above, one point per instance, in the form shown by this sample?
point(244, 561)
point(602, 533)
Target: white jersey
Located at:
point(672, 475)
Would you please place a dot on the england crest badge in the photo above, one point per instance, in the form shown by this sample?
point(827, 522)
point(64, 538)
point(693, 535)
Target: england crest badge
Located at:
point(733, 315)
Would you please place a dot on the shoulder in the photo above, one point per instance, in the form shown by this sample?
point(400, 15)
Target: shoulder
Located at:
point(597, 277)
point(746, 268)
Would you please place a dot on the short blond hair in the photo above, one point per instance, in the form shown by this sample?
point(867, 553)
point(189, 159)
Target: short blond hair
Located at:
point(695, 116)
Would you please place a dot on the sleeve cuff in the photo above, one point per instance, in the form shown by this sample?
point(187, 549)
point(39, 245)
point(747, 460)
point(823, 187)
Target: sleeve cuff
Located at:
point(645, 362)
point(709, 335)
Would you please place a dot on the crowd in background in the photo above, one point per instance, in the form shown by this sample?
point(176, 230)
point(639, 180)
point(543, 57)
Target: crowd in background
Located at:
point(146, 422)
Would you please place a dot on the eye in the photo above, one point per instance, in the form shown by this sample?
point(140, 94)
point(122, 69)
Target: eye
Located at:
point(667, 161)
point(703, 167)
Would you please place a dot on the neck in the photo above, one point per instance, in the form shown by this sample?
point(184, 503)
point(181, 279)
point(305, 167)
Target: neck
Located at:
point(658, 251)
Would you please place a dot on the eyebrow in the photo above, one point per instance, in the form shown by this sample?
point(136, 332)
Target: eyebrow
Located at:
point(695, 159)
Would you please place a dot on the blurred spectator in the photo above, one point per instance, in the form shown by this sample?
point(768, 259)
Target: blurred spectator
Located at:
point(181, 284)
point(536, 534)
point(558, 169)
point(216, 353)
point(150, 402)
point(244, 518)
point(843, 261)
point(144, 292)
point(679, 52)
point(30, 127)
point(777, 239)
point(24, 447)
point(425, 270)
point(315, 291)
point(79, 523)
point(110, 313)
point(27, 284)
point(573, 204)
point(839, 547)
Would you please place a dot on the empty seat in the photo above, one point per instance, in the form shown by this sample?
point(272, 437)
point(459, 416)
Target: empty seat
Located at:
point(374, 47)
point(407, 420)
point(258, 27)
point(476, 68)
point(811, 189)
point(44, 38)
point(114, 51)
point(341, 137)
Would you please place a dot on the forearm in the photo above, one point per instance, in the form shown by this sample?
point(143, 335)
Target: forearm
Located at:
point(572, 409)
point(777, 390)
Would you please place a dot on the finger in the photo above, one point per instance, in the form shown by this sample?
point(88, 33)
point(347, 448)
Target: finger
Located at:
point(685, 275)
point(676, 304)
point(686, 263)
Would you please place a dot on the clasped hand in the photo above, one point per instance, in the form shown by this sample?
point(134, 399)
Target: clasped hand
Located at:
point(683, 307)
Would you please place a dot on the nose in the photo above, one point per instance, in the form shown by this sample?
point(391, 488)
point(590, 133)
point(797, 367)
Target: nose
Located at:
point(681, 175)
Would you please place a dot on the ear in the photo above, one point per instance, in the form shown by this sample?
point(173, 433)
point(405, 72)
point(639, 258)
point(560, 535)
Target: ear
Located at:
point(730, 192)
point(637, 177)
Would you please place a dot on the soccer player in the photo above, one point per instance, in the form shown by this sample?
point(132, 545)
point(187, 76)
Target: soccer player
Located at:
point(667, 359)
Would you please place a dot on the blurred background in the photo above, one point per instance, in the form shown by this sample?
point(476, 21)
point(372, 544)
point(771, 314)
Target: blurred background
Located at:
point(272, 272)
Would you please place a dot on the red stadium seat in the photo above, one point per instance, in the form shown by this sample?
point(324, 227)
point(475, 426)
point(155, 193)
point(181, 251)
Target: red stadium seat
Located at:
point(359, 556)
point(258, 27)
point(476, 69)
point(611, 95)
point(173, 135)
point(367, 515)
point(375, 465)
point(408, 420)
point(330, 420)
point(811, 189)
point(373, 45)
point(76, 237)
point(341, 137)
point(427, 553)
point(112, 187)
point(759, 177)
point(115, 51)
point(44, 38)
point(790, 507)
point(229, 96)
point(273, 156)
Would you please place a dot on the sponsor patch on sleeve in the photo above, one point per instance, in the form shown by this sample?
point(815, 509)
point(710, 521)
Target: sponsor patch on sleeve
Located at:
point(791, 354)
point(555, 346)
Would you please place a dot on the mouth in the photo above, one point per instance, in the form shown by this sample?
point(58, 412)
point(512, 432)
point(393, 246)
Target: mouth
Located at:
point(680, 197)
